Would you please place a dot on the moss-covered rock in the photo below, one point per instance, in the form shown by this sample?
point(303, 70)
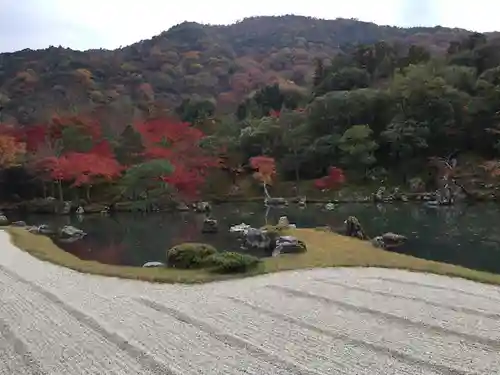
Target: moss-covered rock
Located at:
point(189, 255)
point(232, 262)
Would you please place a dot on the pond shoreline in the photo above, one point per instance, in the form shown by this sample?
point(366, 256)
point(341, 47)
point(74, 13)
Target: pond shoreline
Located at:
point(40, 206)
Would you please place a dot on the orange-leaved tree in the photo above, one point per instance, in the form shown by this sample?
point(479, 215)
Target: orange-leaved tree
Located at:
point(265, 171)
point(11, 151)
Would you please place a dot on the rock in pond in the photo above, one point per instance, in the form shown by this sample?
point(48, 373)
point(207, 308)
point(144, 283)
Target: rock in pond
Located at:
point(43, 229)
point(329, 206)
point(181, 206)
point(210, 225)
point(202, 207)
point(379, 195)
point(239, 228)
point(389, 241)
point(275, 202)
point(69, 231)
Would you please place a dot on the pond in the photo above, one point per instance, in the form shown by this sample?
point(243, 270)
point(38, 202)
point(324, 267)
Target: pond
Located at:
point(462, 235)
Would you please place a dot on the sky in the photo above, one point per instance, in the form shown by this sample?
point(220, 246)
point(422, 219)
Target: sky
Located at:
point(113, 23)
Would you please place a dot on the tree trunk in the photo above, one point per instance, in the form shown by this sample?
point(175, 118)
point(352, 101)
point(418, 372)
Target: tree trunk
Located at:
point(87, 192)
point(44, 190)
point(297, 172)
point(59, 187)
point(265, 191)
point(464, 190)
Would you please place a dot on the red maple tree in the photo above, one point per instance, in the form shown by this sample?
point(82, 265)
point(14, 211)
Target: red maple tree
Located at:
point(265, 170)
point(332, 180)
point(179, 143)
point(50, 160)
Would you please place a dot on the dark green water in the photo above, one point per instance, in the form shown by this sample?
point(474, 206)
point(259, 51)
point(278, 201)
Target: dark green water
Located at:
point(463, 235)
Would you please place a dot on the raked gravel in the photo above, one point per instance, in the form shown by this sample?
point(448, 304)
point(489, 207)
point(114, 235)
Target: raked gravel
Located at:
point(364, 321)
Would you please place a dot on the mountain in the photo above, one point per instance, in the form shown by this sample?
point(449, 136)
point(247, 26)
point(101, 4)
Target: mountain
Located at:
point(190, 60)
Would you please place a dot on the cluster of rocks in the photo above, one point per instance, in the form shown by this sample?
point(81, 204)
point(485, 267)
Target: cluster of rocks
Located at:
point(66, 233)
point(381, 195)
point(387, 241)
point(4, 221)
point(268, 239)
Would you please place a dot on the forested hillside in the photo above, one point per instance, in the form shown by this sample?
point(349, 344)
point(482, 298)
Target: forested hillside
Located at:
point(220, 63)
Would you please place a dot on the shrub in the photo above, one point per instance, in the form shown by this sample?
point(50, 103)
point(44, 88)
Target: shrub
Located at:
point(231, 262)
point(189, 255)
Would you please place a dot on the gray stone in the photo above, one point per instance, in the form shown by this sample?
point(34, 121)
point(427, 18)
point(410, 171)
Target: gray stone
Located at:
point(181, 206)
point(4, 220)
point(289, 245)
point(353, 228)
point(202, 207)
point(153, 265)
point(259, 239)
point(69, 231)
point(210, 225)
point(275, 201)
point(379, 195)
point(389, 241)
point(283, 222)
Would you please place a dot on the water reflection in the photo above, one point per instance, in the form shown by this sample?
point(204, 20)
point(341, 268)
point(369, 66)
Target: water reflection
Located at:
point(464, 235)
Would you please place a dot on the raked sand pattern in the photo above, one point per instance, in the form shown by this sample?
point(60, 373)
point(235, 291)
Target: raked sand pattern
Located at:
point(329, 321)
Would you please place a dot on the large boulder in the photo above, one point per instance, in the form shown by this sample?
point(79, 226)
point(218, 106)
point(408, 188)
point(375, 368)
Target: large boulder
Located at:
point(4, 221)
point(353, 228)
point(257, 239)
point(289, 245)
point(389, 241)
point(69, 231)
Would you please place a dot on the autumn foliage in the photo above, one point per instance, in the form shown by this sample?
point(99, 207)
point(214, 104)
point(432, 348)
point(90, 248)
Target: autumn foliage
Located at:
point(265, 169)
point(332, 180)
point(72, 150)
point(10, 150)
point(178, 143)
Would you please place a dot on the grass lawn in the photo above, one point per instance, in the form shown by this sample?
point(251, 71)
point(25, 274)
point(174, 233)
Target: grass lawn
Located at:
point(325, 249)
